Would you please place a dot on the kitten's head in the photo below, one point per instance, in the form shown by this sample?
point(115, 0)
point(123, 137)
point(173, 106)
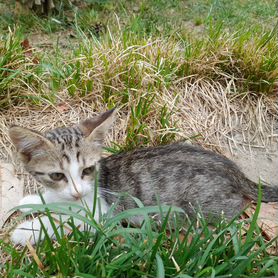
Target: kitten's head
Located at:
point(64, 159)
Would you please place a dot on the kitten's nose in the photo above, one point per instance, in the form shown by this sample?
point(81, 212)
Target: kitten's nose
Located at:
point(76, 195)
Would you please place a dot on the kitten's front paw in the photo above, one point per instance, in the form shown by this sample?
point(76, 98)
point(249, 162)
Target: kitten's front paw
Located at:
point(29, 199)
point(27, 231)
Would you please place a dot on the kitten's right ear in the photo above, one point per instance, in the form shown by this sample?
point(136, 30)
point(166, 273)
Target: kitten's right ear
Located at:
point(89, 125)
point(28, 143)
point(95, 129)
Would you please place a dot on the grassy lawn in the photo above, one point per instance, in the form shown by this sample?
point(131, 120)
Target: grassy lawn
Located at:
point(143, 56)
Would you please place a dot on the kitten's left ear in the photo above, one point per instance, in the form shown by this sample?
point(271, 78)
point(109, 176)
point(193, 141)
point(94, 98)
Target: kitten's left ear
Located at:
point(95, 129)
point(29, 143)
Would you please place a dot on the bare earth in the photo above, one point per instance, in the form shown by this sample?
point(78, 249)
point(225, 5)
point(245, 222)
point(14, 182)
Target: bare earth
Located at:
point(258, 164)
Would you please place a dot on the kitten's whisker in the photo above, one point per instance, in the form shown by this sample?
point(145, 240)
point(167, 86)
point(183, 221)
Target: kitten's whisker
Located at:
point(108, 191)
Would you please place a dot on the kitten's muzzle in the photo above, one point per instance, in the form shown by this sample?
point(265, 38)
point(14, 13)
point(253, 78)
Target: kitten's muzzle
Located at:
point(77, 196)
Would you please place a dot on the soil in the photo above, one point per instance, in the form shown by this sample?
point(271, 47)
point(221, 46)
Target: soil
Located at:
point(257, 162)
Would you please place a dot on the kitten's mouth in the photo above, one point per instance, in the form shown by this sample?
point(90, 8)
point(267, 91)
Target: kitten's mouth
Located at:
point(77, 197)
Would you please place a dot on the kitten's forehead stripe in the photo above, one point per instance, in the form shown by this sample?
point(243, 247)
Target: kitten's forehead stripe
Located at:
point(66, 157)
point(77, 131)
point(61, 165)
point(66, 138)
point(78, 155)
point(57, 130)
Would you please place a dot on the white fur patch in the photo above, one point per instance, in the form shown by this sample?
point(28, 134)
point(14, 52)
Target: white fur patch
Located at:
point(30, 230)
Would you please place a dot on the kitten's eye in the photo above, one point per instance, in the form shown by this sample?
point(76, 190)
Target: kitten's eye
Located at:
point(88, 171)
point(57, 176)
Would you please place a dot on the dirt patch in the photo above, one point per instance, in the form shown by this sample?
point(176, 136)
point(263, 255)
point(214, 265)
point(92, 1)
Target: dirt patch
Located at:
point(258, 163)
point(65, 40)
point(257, 157)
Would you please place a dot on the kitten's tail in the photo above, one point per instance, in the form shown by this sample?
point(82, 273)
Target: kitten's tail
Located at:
point(269, 193)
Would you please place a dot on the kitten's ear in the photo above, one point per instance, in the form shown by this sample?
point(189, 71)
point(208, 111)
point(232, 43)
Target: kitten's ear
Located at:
point(95, 129)
point(28, 143)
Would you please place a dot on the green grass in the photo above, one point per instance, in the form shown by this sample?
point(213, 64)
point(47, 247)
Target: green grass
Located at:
point(21, 78)
point(153, 17)
point(176, 247)
point(153, 50)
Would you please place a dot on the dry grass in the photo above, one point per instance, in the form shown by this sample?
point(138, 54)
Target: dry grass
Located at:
point(158, 101)
point(209, 111)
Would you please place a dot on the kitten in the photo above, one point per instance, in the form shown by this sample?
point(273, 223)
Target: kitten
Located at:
point(65, 161)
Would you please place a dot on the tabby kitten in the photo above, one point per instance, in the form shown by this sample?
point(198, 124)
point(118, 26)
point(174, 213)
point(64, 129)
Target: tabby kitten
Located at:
point(65, 161)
